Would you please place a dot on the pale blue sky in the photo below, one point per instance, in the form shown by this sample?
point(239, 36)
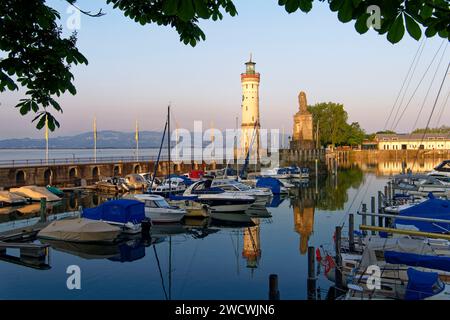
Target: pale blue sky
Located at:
point(134, 71)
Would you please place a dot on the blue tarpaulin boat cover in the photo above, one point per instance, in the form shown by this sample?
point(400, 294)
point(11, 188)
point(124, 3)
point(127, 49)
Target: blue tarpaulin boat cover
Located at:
point(418, 260)
point(420, 285)
point(119, 211)
point(273, 184)
point(431, 208)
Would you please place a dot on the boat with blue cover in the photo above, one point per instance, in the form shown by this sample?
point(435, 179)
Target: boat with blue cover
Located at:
point(275, 185)
point(124, 213)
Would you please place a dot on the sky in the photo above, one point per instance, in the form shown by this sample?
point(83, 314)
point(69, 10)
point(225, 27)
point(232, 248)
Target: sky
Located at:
point(135, 71)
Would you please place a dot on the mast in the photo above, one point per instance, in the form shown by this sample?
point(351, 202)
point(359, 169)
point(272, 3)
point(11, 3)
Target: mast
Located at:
point(95, 139)
point(136, 137)
point(236, 149)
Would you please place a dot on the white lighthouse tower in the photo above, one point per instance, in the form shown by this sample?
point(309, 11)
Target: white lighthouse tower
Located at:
point(250, 112)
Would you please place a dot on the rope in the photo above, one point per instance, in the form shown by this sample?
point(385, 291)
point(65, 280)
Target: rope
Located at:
point(418, 85)
point(442, 110)
point(431, 114)
point(403, 84)
point(429, 89)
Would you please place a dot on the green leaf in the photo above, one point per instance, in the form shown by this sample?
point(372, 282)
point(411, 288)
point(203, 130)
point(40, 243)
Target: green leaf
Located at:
point(41, 122)
point(335, 5)
point(202, 9)
point(426, 11)
point(170, 7)
point(306, 5)
point(412, 27)
point(186, 10)
point(430, 31)
point(443, 33)
point(292, 5)
point(397, 30)
point(282, 2)
point(361, 23)
point(346, 11)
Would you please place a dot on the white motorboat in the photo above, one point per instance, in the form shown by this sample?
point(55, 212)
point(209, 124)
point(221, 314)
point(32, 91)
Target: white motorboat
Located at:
point(261, 195)
point(218, 199)
point(9, 198)
point(35, 193)
point(158, 210)
point(173, 185)
point(442, 169)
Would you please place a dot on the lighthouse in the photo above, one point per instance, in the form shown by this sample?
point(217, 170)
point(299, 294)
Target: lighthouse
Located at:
point(250, 125)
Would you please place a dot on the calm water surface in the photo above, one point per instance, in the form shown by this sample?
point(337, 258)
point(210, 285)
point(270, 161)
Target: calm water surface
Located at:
point(200, 259)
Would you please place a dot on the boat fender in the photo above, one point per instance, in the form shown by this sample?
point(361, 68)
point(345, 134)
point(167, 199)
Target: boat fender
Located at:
point(328, 264)
point(318, 256)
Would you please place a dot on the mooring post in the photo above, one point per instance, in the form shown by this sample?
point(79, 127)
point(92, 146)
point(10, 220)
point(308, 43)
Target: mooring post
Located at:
point(351, 232)
point(338, 268)
point(311, 274)
point(80, 211)
point(364, 216)
point(372, 210)
point(274, 294)
point(380, 208)
point(390, 192)
point(43, 210)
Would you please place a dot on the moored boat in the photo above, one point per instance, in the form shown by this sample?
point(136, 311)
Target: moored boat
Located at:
point(217, 199)
point(35, 193)
point(124, 213)
point(80, 230)
point(9, 198)
point(158, 210)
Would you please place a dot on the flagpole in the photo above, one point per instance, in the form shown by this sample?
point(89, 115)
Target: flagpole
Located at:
point(95, 139)
point(137, 141)
point(46, 139)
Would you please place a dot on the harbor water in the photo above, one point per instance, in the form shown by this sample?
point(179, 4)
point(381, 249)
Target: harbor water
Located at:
point(199, 259)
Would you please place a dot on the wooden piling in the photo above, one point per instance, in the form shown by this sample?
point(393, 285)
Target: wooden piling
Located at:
point(43, 210)
point(311, 274)
point(380, 208)
point(364, 217)
point(338, 259)
point(351, 232)
point(274, 293)
point(372, 210)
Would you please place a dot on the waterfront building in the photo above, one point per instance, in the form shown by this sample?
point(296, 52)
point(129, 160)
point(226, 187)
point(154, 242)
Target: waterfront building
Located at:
point(250, 124)
point(413, 141)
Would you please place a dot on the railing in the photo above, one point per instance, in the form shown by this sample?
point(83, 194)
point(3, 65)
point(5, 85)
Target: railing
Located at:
point(91, 160)
point(75, 160)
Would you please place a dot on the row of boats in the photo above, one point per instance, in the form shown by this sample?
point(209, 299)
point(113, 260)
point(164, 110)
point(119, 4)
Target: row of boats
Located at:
point(409, 259)
point(223, 199)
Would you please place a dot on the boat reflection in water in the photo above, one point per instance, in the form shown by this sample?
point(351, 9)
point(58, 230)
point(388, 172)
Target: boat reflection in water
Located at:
point(128, 251)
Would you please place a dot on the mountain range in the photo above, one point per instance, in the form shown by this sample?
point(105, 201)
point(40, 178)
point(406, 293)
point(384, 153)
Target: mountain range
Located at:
point(107, 139)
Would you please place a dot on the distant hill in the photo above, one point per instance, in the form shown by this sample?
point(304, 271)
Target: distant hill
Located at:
point(105, 139)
